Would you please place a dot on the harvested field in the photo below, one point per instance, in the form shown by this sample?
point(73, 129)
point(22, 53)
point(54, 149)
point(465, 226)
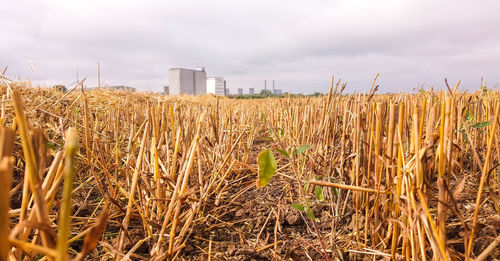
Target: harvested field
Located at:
point(143, 176)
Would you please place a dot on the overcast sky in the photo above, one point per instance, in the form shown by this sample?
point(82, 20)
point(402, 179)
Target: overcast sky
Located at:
point(299, 44)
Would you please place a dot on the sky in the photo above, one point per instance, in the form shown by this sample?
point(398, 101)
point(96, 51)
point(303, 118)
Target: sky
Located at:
point(299, 44)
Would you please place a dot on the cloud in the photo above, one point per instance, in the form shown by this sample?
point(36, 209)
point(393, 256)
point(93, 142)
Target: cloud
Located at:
point(299, 44)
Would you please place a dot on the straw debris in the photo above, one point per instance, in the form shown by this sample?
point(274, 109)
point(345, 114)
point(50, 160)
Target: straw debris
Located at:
point(114, 175)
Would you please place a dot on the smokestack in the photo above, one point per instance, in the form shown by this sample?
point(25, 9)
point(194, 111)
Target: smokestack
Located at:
point(265, 85)
point(273, 86)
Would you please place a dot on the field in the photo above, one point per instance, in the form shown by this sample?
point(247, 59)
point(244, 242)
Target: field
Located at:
point(111, 175)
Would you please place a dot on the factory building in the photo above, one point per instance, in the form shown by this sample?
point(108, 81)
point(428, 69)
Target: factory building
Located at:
point(216, 85)
point(251, 91)
point(277, 91)
point(187, 81)
point(240, 91)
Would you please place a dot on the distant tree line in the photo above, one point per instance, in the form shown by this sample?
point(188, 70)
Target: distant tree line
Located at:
point(269, 93)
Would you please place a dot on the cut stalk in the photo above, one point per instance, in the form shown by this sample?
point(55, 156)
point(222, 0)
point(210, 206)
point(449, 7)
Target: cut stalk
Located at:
point(6, 161)
point(482, 181)
point(71, 148)
point(32, 168)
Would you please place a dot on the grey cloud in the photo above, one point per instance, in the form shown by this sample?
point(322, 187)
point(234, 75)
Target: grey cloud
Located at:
point(297, 43)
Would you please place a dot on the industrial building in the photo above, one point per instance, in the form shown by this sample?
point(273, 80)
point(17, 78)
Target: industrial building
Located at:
point(187, 81)
point(251, 91)
point(216, 85)
point(240, 91)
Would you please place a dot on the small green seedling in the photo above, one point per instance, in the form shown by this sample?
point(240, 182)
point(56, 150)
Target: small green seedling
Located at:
point(267, 167)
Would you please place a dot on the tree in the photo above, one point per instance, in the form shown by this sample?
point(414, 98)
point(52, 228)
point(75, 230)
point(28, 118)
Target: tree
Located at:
point(60, 88)
point(266, 93)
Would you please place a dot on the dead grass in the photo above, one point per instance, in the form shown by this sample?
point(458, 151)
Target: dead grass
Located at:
point(157, 177)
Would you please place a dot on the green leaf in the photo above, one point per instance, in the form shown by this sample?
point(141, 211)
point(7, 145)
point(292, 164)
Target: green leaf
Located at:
point(263, 117)
point(51, 145)
point(298, 207)
point(283, 152)
point(303, 148)
point(270, 131)
point(309, 211)
point(464, 134)
point(336, 192)
point(267, 167)
point(318, 191)
point(468, 116)
point(481, 124)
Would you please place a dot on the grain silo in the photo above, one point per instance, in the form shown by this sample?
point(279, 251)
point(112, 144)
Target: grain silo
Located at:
point(187, 81)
